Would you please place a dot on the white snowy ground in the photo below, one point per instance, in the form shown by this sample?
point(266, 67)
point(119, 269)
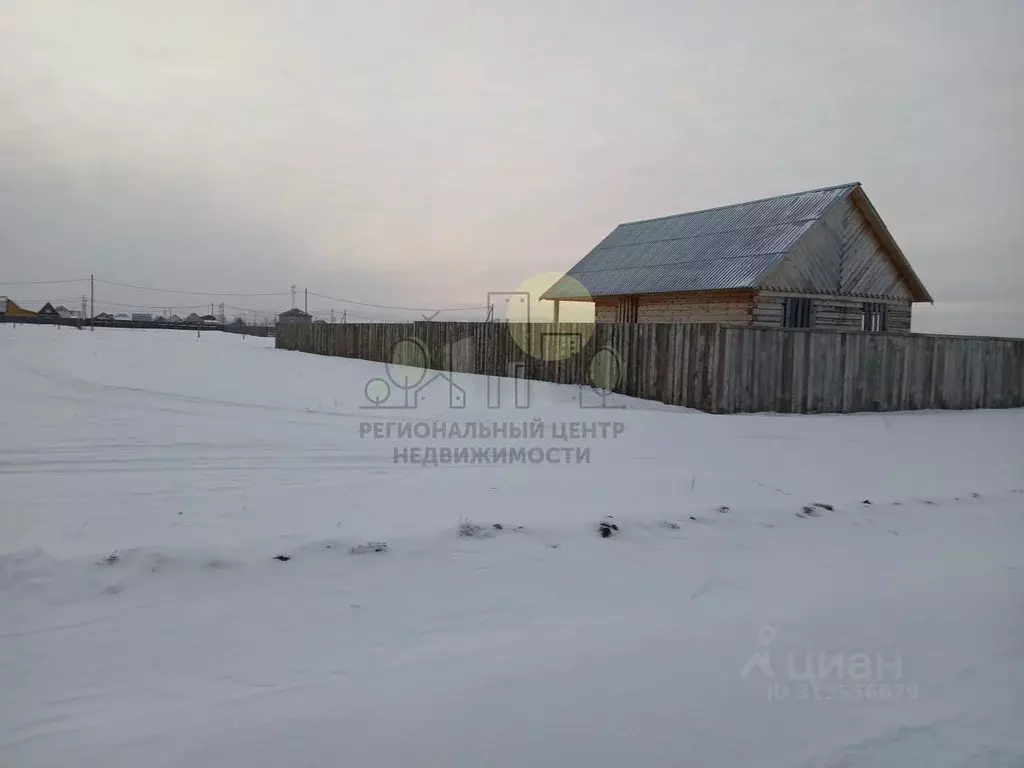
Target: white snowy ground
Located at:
point(197, 461)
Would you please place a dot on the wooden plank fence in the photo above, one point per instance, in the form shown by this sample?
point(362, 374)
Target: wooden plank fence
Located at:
point(716, 368)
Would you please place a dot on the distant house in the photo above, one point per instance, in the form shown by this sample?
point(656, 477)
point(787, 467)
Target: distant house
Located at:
point(293, 316)
point(193, 318)
point(10, 308)
point(142, 317)
point(173, 319)
point(68, 314)
point(121, 316)
point(103, 317)
point(817, 259)
point(210, 320)
point(238, 321)
point(48, 310)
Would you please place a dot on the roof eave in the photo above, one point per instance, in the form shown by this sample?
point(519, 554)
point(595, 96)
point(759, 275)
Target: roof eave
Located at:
point(546, 296)
point(645, 292)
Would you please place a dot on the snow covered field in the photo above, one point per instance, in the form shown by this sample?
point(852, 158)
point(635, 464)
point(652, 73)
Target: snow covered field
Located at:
point(148, 479)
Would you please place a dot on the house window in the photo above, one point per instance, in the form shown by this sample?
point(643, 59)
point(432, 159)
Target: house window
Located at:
point(796, 313)
point(873, 318)
point(627, 310)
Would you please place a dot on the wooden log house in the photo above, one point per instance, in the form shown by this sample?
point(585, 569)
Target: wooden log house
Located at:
point(817, 259)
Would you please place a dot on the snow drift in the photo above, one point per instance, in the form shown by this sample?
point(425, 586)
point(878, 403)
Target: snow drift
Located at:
point(207, 559)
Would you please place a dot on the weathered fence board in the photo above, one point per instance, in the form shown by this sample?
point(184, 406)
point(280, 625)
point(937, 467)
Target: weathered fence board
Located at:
point(715, 368)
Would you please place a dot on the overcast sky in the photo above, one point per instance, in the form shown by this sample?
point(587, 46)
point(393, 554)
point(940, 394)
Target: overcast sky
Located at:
point(425, 153)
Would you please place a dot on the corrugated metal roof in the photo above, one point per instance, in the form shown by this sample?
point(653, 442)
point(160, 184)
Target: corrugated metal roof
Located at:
point(718, 248)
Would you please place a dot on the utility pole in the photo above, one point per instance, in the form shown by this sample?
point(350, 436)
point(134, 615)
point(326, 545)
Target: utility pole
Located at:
point(306, 307)
point(344, 316)
point(293, 297)
point(83, 312)
point(332, 317)
point(92, 293)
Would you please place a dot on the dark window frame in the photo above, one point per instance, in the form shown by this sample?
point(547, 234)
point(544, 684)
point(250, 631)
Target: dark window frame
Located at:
point(796, 312)
point(873, 318)
point(628, 309)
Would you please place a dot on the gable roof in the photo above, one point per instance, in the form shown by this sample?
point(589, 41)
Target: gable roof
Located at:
point(10, 306)
point(726, 248)
point(295, 312)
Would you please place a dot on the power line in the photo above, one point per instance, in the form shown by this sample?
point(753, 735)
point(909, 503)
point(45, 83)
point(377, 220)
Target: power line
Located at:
point(387, 306)
point(150, 306)
point(250, 309)
point(46, 282)
point(188, 293)
point(336, 299)
point(326, 312)
point(23, 300)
